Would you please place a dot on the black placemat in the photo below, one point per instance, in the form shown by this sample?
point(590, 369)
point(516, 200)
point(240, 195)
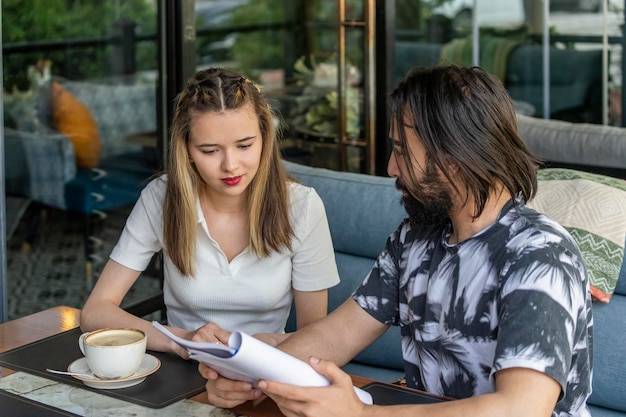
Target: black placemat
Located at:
point(175, 380)
point(16, 406)
point(389, 394)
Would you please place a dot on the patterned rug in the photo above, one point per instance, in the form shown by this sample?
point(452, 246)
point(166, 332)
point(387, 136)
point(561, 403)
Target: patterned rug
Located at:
point(51, 270)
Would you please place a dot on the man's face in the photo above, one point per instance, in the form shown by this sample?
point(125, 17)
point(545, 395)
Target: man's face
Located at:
point(428, 201)
point(432, 201)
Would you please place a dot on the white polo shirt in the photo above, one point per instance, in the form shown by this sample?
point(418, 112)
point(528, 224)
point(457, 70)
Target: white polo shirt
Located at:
point(248, 294)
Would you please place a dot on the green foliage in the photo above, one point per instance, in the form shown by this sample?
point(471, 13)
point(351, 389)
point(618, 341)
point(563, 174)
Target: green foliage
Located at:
point(414, 15)
point(31, 20)
point(261, 49)
point(55, 20)
point(410, 14)
point(259, 11)
point(257, 51)
point(317, 104)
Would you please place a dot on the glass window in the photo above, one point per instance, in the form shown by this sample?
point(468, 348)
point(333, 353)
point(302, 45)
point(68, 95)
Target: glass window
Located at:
point(71, 181)
point(291, 49)
point(507, 39)
point(79, 140)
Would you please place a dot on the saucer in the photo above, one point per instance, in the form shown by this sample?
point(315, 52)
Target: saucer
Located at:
point(149, 365)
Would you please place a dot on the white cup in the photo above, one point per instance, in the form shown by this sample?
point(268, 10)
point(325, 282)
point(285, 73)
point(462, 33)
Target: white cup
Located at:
point(113, 353)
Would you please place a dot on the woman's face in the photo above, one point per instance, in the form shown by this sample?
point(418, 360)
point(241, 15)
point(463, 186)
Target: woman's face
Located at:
point(226, 149)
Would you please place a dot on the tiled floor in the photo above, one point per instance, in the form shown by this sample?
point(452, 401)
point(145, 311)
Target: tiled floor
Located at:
point(52, 272)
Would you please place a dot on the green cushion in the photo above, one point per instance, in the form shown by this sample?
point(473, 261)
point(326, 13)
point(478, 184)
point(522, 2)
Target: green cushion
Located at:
point(593, 209)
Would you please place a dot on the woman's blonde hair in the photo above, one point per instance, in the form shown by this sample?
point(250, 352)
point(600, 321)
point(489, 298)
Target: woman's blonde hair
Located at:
point(267, 197)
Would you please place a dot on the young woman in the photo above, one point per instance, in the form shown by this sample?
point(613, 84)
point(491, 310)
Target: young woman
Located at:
point(240, 239)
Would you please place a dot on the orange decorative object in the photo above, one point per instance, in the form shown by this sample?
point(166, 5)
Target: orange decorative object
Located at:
point(72, 118)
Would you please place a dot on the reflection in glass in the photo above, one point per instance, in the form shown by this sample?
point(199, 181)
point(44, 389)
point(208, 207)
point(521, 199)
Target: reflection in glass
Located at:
point(584, 51)
point(80, 134)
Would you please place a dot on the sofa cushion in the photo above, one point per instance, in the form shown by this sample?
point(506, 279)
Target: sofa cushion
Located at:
point(120, 109)
point(494, 53)
point(87, 192)
point(386, 352)
point(574, 143)
point(593, 209)
point(604, 412)
point(72, 118)
point(569, 90)
point(51, 164)
point(410, 54)
point(381, 360)
point(609, 324)
point(362, 210)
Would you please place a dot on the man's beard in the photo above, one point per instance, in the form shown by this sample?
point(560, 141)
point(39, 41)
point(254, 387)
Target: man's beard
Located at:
point(432, 205)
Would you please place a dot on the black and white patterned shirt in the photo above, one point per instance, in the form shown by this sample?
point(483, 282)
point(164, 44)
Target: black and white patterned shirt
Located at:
point(514, 295)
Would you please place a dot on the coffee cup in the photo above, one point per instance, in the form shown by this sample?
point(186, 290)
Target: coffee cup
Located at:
point(113, 353)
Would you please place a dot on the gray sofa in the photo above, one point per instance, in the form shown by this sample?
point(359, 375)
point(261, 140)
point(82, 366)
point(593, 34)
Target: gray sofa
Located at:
point(363, 210)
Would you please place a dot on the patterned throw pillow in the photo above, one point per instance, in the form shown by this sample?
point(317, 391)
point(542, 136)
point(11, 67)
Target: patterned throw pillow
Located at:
point(72, 118)
point(593, 209)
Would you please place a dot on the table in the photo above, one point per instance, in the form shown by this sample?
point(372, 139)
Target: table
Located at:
point(56, 320)
point(60, 319)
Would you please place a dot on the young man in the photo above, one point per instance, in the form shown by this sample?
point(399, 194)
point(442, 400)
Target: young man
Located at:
point(491, 297)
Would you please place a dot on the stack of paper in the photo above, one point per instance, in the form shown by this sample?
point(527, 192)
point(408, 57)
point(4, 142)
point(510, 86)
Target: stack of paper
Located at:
point(248, 359)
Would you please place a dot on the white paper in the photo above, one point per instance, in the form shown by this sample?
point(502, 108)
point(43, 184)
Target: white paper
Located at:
point(248, 359)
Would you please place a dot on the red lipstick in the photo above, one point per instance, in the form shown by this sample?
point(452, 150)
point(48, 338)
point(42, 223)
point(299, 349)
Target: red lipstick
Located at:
point(232, 181)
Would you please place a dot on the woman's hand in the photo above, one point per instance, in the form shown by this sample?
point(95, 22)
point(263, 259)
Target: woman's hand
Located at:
point(226, 393)
point(221, 392)
point(179, 350)
point(210, 332)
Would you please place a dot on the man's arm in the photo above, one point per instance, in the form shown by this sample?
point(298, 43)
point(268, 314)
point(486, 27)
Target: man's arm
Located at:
point(520, 392)
point(338, 337)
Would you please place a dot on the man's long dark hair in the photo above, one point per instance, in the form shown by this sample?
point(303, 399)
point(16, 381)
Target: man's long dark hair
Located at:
point(465, 116)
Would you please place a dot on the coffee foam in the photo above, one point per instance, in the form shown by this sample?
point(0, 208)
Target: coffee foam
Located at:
point(114, 338)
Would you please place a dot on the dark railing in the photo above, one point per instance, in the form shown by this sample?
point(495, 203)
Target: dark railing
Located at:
point(124, 39)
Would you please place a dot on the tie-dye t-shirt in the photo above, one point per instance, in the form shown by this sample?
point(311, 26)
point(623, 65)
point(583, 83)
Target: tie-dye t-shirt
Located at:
point(514, 295)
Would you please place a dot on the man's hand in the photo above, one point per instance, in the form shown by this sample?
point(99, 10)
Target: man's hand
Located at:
point(338, 399)
point(226, 393)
